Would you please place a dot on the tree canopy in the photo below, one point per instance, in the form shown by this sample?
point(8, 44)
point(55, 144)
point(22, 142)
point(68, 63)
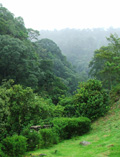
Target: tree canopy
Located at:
point(105, 64)
point(34, 63)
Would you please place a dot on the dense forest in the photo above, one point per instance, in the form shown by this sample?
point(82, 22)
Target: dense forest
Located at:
point(40, 87)
point(79, 44)
point(38, 65)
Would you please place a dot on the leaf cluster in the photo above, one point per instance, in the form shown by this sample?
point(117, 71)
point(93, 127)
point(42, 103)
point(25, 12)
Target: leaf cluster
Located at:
point(105, 64)
point(91, 100)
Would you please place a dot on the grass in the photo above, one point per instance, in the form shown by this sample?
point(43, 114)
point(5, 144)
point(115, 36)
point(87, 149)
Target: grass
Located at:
point(104, 138)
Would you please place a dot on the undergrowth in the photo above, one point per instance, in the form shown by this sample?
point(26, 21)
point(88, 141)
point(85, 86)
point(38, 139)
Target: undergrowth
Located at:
point(104, 138)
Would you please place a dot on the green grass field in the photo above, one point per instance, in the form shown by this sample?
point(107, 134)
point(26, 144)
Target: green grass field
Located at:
point(104, 138)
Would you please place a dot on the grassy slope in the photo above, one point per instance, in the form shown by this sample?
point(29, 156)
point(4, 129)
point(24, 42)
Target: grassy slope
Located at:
point(104, 138)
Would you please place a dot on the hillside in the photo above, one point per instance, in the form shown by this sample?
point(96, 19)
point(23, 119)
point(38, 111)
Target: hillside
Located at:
point(79, 45)
point(40, 88)
point(39, 65)
point(53, 60)
point(104, 139)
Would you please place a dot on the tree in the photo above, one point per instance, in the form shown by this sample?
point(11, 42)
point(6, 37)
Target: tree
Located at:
point(49, 84)
point(18, 61)
point(105, 64)
point(12, 26)
point(4, 112)
point(48, 51)
point(33, 34)
point(21, 107)
point(91, 100)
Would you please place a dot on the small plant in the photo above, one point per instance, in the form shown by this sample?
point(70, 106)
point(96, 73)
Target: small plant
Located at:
point(14, 146)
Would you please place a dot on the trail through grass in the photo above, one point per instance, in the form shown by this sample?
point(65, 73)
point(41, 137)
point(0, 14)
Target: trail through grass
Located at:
point(104, 138)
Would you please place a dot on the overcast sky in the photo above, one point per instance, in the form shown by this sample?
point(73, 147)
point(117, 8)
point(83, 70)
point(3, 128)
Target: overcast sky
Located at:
point(59, 14)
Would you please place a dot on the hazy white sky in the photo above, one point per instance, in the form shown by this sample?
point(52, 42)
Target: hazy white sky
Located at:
point(59, 14)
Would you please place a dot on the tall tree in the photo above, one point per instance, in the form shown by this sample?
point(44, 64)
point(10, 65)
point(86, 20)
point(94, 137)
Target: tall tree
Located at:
point(12, 26)
point(48, 50)
point(18, 61)
point(105, 64)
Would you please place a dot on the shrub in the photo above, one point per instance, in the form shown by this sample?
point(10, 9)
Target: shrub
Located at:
point(20, 107)
point(91, 100)
point(69, 127)
point(14, 146)
point(69, 107)
point(1, 151)
point(115, 93)
point(33, 138)
point(48, 137)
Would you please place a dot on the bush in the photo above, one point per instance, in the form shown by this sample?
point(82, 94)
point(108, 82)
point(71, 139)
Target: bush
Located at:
point(91, 100)
point(69, 107)
point(48, 137)
point(33, 138)
point(115, 93)
point(69, 127)
point(1, 151)
point(14, 146)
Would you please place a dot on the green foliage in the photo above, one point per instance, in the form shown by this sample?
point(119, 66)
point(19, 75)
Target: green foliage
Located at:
point(105, 64)
point(45, 110)
point(4, 112)
point(91, 100)
point(33, 138)
point(18, 61)
point(69, 127)
point(33, 34)
point(69, 106)
point(39, 65)
point(14, 146)
point(78, 45)
point(57, 64)
point(48, 137)
point(12, 26)
point(52, 85)
point(104, 139)
point(115, 93)
point(20, 107)
point(57, 89)
point(1, 151)
point(58, 111)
